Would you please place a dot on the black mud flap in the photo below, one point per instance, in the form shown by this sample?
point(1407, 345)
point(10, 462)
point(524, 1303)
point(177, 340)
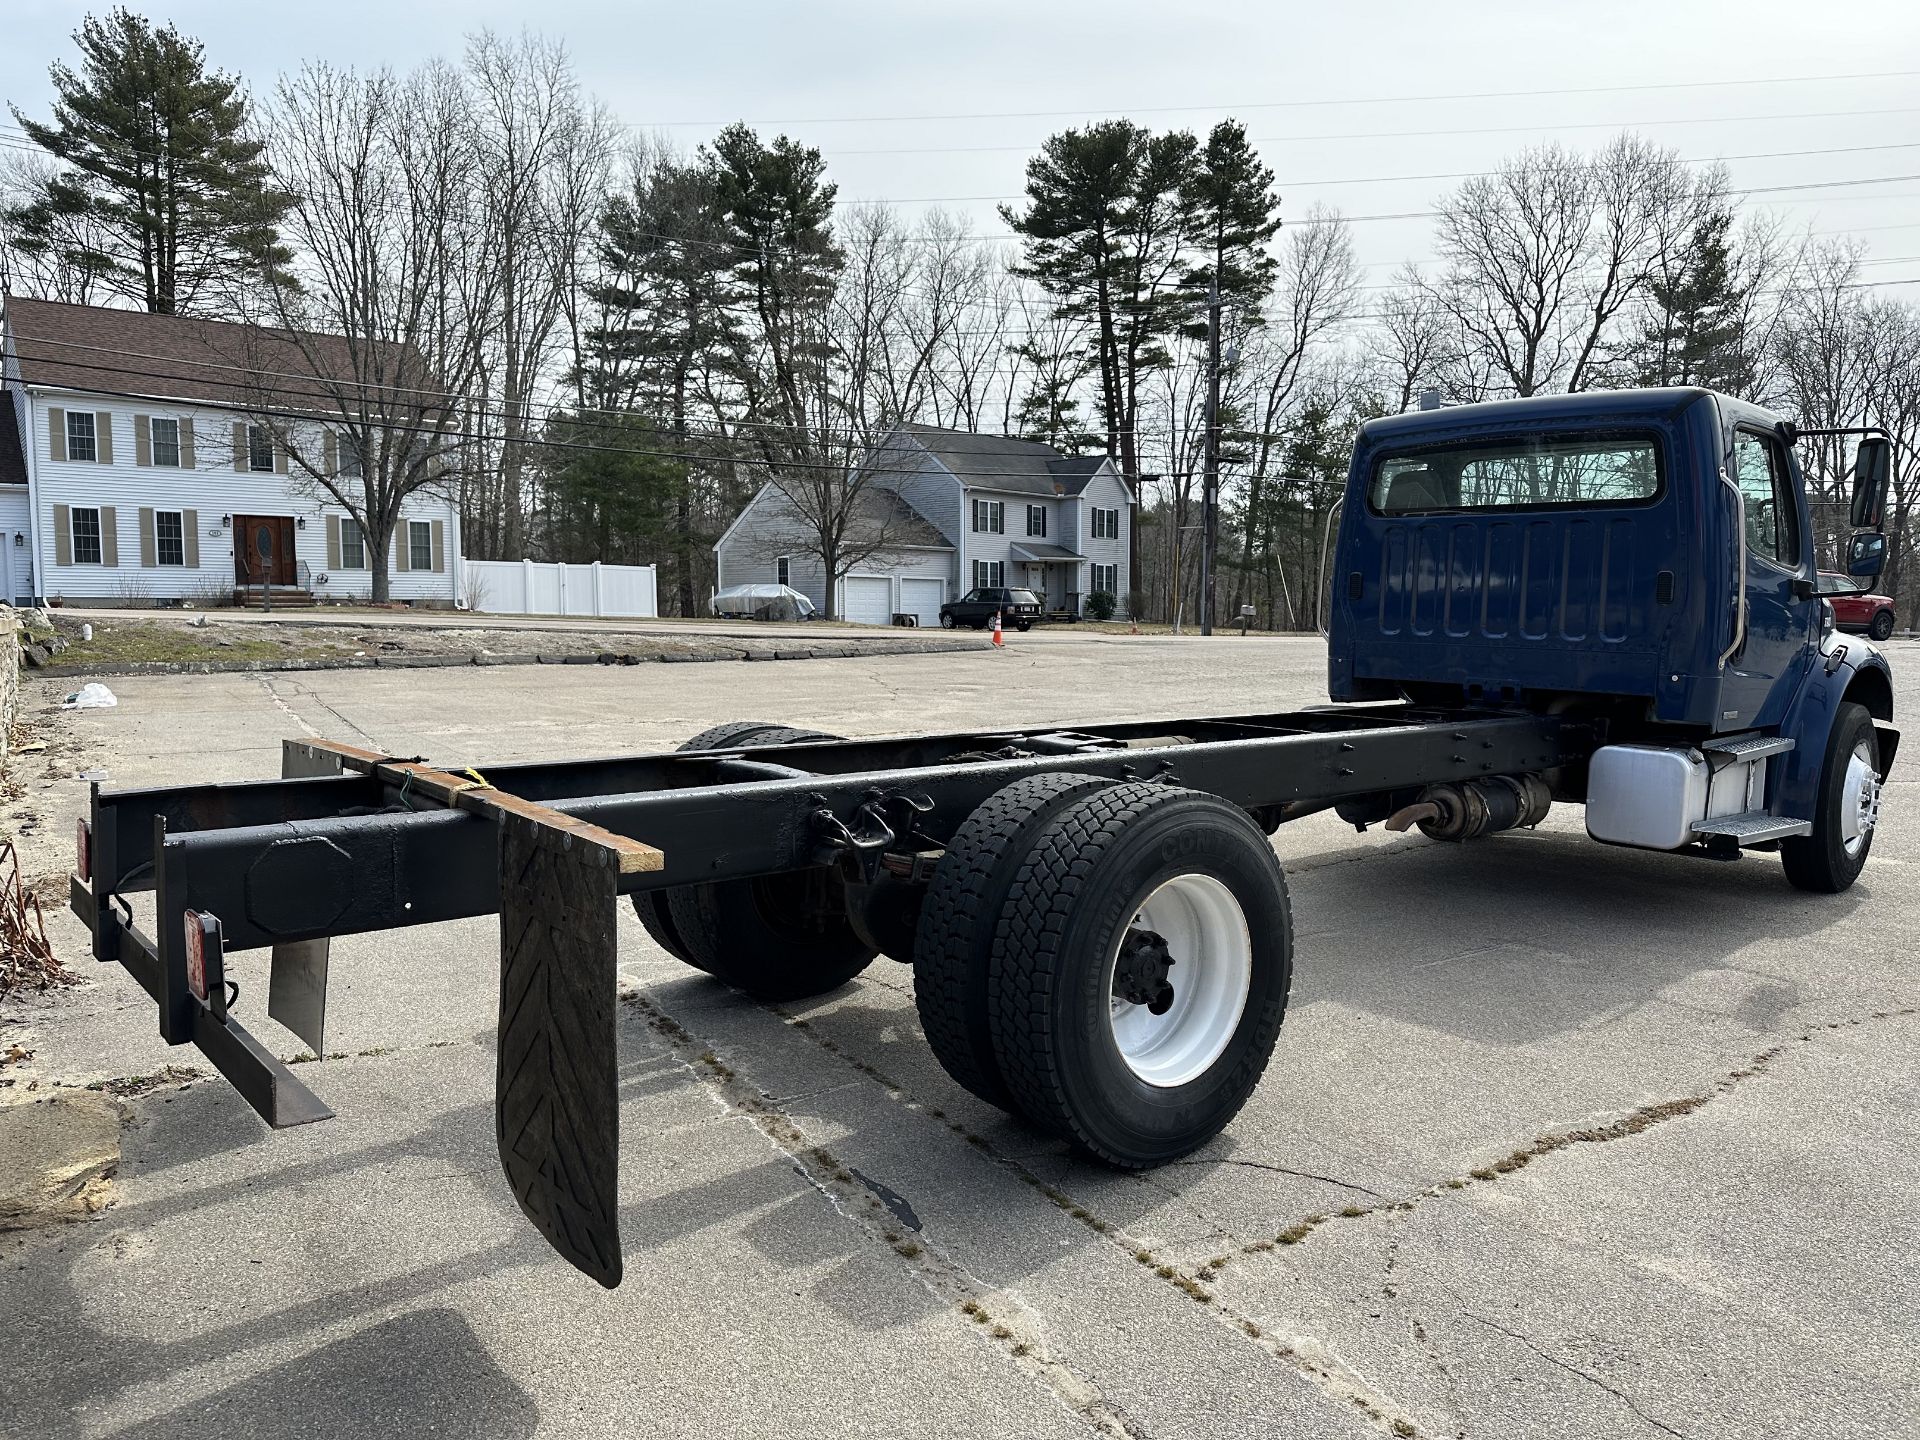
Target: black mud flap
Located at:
point(556, 1112)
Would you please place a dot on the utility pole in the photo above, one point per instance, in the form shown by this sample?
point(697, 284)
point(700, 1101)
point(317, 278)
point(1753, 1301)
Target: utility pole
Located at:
point(1210, 478)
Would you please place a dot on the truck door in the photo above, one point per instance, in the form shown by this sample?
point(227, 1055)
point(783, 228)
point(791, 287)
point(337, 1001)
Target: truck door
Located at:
point(1782, 615)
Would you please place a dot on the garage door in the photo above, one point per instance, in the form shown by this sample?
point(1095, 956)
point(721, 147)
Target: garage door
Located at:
point(869, 599)
point(923, 598)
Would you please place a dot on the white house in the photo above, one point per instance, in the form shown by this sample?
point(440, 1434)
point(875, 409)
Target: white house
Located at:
point(132, 469)
point(959, 510)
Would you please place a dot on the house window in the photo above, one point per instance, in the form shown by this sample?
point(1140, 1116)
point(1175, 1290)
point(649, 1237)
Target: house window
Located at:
point(166, 441)
point(85, 520)
point(82, 444)
point(353, 545)
point(990, 517)
point(169, 537)
point(989, 574)
point(349, 459)
point(259, 448)
point(1106, 578)
point(419, 545)
point(1037, 520)
point(1106, 524)
point(783, 571)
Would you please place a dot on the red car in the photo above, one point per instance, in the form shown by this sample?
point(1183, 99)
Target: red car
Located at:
point(1854, 608)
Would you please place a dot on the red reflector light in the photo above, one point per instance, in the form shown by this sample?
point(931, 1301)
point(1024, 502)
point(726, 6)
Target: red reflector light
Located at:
point(83, 849)
point(196, 955)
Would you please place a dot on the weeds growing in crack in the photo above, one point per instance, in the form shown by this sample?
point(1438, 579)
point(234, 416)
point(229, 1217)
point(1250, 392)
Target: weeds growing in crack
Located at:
point(1635, 1123)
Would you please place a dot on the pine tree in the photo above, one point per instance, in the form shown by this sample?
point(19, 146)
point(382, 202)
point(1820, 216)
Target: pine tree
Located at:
point(1232, 213)
point(1104, 227)
point(613, 489)
point(1695, 336)
point(161, 157)
point(664, 248)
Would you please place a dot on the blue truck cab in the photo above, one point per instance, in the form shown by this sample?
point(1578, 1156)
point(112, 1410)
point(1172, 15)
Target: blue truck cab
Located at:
point(1641, 562)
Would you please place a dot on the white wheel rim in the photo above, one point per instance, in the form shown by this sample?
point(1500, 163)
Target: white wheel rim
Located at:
point(1212, 975)
point(1859, 800)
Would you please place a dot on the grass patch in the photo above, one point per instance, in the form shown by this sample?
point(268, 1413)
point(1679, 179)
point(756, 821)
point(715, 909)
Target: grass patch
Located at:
point(148, 642)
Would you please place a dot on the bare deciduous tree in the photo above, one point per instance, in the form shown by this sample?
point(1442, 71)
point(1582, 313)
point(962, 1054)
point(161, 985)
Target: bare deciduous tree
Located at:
point(542, 156)
point(395, 276)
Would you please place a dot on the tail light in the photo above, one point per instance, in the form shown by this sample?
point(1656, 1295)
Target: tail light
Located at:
point(83, 850)
point(196, 955)
point(205, 965)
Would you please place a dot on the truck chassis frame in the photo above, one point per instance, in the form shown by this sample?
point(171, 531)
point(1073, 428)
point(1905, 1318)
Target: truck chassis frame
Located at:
point(350, 841)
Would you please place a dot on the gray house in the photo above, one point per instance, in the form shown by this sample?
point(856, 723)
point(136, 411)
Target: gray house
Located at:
point(953, 511)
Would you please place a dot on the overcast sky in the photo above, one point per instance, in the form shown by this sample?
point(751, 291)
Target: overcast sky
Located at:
point(1333, 93)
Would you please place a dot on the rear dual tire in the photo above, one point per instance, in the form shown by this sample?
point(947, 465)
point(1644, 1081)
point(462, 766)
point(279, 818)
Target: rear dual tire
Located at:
point(1068, 875)
point(773, 937)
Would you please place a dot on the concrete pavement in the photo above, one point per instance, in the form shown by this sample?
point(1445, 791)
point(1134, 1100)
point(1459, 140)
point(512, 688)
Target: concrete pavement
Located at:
point(826, 1237)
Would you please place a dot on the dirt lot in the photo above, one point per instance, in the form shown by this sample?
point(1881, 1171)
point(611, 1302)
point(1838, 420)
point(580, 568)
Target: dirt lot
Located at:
point(122, 645)
point(1559, 1139)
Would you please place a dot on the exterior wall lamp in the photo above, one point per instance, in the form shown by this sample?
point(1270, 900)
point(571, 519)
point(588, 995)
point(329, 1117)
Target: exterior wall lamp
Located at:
point(226, 521)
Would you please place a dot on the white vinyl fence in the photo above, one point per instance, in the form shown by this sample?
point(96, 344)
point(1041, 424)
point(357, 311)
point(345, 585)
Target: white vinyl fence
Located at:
point(531, 587)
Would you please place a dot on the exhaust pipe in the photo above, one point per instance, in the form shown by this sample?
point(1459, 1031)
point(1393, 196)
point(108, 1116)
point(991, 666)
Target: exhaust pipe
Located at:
point(1467, 809)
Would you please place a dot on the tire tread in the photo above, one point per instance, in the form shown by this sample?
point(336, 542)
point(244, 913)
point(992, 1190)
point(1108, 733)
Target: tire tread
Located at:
point(953, 949)
point(1027, 958)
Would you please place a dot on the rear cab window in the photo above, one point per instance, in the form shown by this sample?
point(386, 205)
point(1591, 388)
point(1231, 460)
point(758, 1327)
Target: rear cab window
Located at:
point(1520, 473)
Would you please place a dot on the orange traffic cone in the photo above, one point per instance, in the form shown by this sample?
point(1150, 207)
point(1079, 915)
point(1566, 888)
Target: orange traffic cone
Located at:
point(999, 640)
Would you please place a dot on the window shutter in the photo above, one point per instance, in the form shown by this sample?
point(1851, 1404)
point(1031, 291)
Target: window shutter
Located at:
point(439, 545)
point(109, 536)
point(279, 458)
point(103, 431)
point(189, 519)
point(186, 442)
point(142, 440)
point(330, 454)
point(333, 542)
point(57, 437)
point(402, 549)
point(240, 446)
point(147, 547)
point(62, 525)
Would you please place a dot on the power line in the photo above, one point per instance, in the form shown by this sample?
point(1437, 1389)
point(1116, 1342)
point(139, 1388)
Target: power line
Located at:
point(1291, 104)
point(1285, 185)
point(1531, 129)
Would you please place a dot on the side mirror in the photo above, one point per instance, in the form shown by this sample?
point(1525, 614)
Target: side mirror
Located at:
point(1866, 554)
point(1872, 473)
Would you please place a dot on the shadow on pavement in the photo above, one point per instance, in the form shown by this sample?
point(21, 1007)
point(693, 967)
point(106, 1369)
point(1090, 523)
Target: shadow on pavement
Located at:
point(421, 1372)
point(1519, 938)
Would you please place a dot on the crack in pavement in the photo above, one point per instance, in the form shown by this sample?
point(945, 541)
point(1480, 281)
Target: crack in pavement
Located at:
point(1390, 1291)
point(1572, 1369)
point(1635, 1122)
point(1304, 1354)
point(1010, 1323)
point(308, 692)
point(1276, 1169)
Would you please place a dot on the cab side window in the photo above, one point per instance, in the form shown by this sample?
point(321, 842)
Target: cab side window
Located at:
point(1766, 488)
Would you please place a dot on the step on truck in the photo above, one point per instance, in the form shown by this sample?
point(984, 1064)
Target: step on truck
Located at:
point(1606, 599)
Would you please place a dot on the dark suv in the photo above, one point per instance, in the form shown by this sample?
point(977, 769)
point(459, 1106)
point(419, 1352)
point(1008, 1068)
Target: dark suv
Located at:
point(1018, 608)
